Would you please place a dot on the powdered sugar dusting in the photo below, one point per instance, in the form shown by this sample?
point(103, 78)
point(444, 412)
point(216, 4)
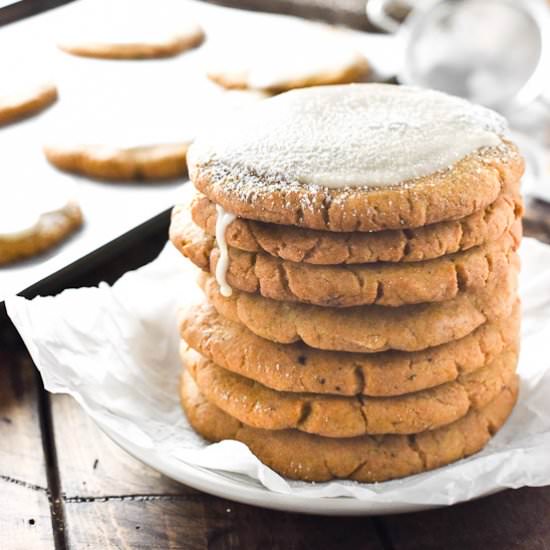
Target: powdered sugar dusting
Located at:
point(361, 135)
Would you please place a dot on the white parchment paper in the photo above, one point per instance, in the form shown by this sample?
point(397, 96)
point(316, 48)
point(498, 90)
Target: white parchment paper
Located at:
point(114, 349)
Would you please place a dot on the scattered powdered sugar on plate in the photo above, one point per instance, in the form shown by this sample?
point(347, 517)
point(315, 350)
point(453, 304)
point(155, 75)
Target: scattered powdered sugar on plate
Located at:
point(368, 135)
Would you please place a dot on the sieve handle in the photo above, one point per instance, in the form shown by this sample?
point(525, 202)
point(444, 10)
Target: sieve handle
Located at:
point(378, 15)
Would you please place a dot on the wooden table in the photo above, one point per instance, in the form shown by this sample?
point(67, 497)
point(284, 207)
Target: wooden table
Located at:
point(63, 484)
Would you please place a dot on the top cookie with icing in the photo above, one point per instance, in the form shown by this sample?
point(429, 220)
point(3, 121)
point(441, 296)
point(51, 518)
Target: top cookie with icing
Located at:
point(363, 157)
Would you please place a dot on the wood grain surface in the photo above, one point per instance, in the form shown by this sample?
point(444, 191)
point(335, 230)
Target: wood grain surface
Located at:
point(64, 484)
point(25, 519)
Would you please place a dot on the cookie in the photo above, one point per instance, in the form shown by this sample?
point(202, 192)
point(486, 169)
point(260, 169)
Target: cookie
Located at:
point(334, 416)
point(25, 100)
point(307, 457)
point(299, 368)
point(366, 329)
point(142, 46)
point(329, 248)
point(39, 234)
point(392, 284)
point(156, 162)
point(310, 54)
point(365, 157)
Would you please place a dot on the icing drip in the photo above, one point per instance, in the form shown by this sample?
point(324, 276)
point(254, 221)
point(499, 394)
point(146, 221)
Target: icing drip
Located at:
point(369, 135)
point(223, 219)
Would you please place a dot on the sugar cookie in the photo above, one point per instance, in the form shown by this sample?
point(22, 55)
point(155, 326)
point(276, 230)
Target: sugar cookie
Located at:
point(308, 457)
point(366, 329)
point(335, 416)
point(365, 157)
point(330, 248)
point(299, 368)
point(24, 100)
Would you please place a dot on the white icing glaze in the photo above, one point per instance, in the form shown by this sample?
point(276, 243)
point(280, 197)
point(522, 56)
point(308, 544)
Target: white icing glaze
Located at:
point(223, 219)
point(355, 135)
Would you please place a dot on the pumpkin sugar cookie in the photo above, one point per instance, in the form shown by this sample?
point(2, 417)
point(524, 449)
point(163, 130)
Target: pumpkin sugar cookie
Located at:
point(145, 48)
point(104, 162)
point(127, 29)
point(310, 54)
point(366, 329)
point(337, 416)
point(20, 101)
point(390, 284)
point(30, 226)
point(329, 248)
point(308, 457)
point(299, 368)
point(358, 247)
point(362, 157)
point(106, 135)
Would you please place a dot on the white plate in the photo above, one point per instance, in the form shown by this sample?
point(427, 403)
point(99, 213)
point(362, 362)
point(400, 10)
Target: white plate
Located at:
point(115, 350)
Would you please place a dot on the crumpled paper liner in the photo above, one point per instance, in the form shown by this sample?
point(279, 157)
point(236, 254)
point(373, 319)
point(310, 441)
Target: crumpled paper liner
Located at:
point(114, 349)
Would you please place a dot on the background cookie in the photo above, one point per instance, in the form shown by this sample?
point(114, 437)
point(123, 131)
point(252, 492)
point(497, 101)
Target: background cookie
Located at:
point(329, 248)
point(50, 229)
point(298, 455)
point(299, 368)
point(24, 100)
point(162, 47)
point(328, 158)
point(104, 135)
point(366, 329)
point(334, 416)
point(309, 54)
point(127, 29)
point(110, 163)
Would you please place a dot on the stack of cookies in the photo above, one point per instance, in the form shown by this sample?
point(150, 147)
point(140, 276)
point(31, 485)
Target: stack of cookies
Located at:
point(358, 254)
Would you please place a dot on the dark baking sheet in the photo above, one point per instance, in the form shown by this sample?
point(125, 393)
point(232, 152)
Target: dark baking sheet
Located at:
point(114, 210)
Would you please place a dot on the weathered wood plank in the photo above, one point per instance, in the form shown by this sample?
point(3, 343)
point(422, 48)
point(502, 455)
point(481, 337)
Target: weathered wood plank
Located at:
point(112, 500)
point(234, 526)
point(200, 522)
point(25, 520)
point(509, 520)
point(21, 453)
point(91, 465)
point(135, 523)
